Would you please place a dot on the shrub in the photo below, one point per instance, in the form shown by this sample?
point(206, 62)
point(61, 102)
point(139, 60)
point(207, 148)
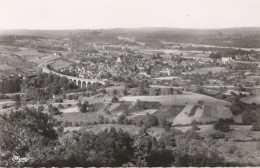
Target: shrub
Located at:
point(217, 136)
point(248, 117)
point(221, 126)
point(255, 126)
point(113, 122)
point(232, 149)
point(235, 110)
point(114, 99)
point(5, 106)
point(107, 111)
point(75, 97)
point(190, 134)
point(100, 119)
point(40, 108)
point(83, 107)
point(53, 110)
point(194, 122)
point(60, 106)
point(70, 97)
point(151, 120)
point(106, 121)
point(16, 98)
point(65, 124)
point(59, 100)
point(121, 119)
point(75, 124)
point(69, 105)
point(195, 128)
point(3, 96)
point(42, 102)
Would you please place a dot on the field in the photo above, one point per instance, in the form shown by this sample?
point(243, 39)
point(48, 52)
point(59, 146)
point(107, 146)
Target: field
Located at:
point(9, 103)
point(168, 112)
point(60, 63)
point(177, 99)
point(122, 106)
point(183, 109)
point(33, 55)
point(251, 99)
point(206, 70)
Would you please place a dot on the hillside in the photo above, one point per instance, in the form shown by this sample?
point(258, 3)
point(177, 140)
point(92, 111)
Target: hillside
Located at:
point(233, 37)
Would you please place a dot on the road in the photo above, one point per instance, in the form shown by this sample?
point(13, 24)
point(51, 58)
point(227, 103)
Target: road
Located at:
point(51, 59)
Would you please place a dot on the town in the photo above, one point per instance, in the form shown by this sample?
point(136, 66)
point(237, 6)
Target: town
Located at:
point(203, 96)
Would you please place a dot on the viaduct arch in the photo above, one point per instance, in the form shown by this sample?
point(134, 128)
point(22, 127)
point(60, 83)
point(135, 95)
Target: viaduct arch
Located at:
point(78, 81)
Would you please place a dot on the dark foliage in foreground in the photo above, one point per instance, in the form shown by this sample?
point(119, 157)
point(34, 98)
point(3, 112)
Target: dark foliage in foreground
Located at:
point(32, 134)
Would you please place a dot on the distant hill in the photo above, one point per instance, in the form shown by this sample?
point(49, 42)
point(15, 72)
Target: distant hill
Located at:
point(233, 37)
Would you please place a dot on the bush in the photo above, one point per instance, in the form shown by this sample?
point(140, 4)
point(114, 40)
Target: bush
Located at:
point(65, 124)
point(5, 106)
point(69, 105)
point(60, 106)
point(221, 126)
point(217, 136)
point(235, 110)
point(40, 108)
point(75, 97)
point(113, 122)
point(3, 96)
point(16, 98)
point(75, 124)
point(53, 110)
point(114, 99)
point(151, 121)
point(100, 119)
point(59, 100)
point(255, 126)
point(248, 117)
point(83, 107)
point(70, 97)
point(190, 134)
point(194, 122)
point(106, 121)
point(121, 119)
point(42, 102)
point(232, 149)
point(195, 128)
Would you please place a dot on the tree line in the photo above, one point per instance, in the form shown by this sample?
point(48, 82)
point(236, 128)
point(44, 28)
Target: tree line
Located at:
point(39, 137)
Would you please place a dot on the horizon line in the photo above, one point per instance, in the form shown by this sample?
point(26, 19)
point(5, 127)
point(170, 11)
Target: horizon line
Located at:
point(145, 27)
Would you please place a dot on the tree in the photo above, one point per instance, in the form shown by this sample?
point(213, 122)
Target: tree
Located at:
point(104, 91)
point(107, 148)
point(100, 119)
point(5, 106)
point(142, 91)
point(25, 133)
point(222, 126)
point(114, 99)
point(255, 126)
point(53, 110)
point(114, 91)
point(248, 116)
point(150, 121)
point(124, 92)
point(121, 119)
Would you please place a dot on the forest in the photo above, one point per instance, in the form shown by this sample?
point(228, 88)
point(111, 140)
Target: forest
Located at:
point(41, 139)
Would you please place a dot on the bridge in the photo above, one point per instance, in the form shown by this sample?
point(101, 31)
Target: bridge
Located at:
point(81, 82)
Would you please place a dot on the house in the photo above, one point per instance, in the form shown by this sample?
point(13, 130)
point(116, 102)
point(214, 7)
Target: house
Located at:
point(224, 60)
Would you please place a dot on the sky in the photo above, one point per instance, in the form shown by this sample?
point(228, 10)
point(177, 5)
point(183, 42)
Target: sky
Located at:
point(105, 14)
